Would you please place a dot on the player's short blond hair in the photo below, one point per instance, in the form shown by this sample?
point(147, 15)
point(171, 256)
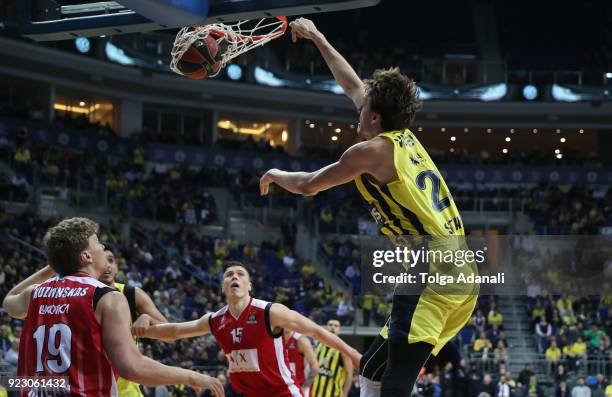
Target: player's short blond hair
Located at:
point(65, 241)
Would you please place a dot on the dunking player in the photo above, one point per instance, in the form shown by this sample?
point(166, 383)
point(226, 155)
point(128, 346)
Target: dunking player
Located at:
point(407, 196)
point(301, 358)
point(250, 332)
point(138, 302)
point(335, 377)
point(75, 326)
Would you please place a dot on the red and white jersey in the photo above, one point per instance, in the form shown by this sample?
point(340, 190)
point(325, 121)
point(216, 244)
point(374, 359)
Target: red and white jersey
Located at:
point(62, 337)
point(257, 358)
point(296, 359)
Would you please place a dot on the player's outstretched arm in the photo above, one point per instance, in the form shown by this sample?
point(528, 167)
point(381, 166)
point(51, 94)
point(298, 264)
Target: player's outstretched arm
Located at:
point(356, 160)
point(305, 347)
point(17, 300)
point(344, 74)
point(172, 331)
point(283, 317)
point(114, 316)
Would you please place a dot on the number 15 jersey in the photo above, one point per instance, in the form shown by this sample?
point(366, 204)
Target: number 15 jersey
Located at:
point(258, 364)
point(62, 337)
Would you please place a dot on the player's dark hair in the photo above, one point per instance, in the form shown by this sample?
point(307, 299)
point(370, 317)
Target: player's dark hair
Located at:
point(65, 241)
point(395, 96)
point(110, 247)
point(229, 264)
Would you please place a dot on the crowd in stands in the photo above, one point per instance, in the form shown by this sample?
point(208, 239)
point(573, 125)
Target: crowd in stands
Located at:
point(573, 334)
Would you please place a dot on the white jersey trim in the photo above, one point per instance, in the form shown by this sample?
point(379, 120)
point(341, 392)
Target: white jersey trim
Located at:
point(279, 349)
point(259, 303)
point(220, 312)
point(84, 280)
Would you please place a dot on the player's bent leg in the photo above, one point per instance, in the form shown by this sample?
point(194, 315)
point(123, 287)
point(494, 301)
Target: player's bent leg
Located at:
point(403, 367)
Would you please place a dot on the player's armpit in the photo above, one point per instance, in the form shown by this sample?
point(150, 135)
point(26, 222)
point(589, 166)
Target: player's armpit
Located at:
point(174, 331)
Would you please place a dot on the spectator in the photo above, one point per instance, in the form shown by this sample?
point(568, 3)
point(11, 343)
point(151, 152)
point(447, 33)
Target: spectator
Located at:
point(543, 331)
point(560, 374)
point(495, 317)
point(367, 307)
point(581, 390)
point(482, 343)
point(5, 340)
point(525, 374)
point(553, 355)
point(562, 390)
point(500, 354)
point(503, 389)
point(479, 319)
point(12, 355)
point(346, 311)
point(533, 388)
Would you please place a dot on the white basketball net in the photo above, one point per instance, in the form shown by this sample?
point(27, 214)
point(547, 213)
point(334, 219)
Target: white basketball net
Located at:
point(240, 39)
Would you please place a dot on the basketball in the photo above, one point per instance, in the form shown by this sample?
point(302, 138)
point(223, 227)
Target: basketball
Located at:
point(203, 58)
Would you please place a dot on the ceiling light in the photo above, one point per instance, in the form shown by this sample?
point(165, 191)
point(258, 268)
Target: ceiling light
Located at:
point(443, 129)
point(334, 138)
point(512, 130)
point(508, 139)
point(488, 130)
point(504, 150)
point(562, 140)
point(329, 124)
point(557, 151)
point(453, 138)
point(559, 156)
point(558, 131)
point(311, 125)
point(466, 130)
point(284, 136)
point(338, 130)
point(535, 130)
point(581, 131)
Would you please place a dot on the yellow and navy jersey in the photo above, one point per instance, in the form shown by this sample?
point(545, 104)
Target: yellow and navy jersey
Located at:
point(329, 382)
point(125, 387)
point(418, 203)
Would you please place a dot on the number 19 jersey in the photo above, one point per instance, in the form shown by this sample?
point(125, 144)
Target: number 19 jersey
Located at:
point(418, 203)
point(62, 338)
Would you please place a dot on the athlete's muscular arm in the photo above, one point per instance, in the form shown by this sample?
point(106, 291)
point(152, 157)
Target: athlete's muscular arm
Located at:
point(174, 331)
point(348, 375)
point(344, 74)
point(17, 300)
point(145, 305)
point(113, 313)
point(283, 317)
point(363, 157)
point(306, 349)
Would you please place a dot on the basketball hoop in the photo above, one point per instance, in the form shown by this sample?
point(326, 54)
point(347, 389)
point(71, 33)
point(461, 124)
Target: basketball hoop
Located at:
point(239, 37)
